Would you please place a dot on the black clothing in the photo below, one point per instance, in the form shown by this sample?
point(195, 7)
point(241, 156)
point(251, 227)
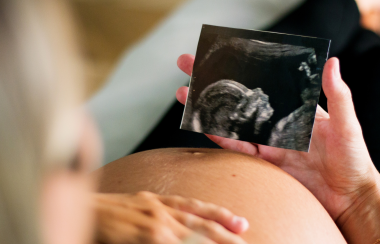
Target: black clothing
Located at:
point(358, 50)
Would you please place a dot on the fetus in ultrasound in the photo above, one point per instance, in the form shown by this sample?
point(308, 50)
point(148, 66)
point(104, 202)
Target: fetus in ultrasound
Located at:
point(254, 86)
point(226, 107)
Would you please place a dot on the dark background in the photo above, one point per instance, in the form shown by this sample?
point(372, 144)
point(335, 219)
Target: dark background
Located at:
point(279, 77)
point(358, 50)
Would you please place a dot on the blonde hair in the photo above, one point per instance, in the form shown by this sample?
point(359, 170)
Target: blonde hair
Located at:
point(40, 89)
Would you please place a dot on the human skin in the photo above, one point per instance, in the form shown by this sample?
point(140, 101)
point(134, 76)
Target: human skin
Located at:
point(278, 207)
point(337, 170)
point(72, 213)
point(149, 218)
point(67, 214)
point(59, 143)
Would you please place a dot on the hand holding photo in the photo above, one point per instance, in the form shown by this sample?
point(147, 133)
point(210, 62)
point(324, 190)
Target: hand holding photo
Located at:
point(256, 86)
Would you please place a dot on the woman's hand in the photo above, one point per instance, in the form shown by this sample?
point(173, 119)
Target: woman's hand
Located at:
point(148, 218)
point(338, 169)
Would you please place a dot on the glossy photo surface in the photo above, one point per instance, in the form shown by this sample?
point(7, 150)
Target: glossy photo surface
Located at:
point(256, 86)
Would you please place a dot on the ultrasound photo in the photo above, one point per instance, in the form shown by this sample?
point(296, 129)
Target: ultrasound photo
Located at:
point(256, 86)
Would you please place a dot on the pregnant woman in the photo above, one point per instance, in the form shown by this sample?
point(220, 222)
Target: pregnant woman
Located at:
point(48, 145)
point(330, 195)
point(278, 208)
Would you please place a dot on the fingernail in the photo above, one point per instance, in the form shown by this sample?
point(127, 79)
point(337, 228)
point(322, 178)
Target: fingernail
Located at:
point(337, 70)
point(240, 223)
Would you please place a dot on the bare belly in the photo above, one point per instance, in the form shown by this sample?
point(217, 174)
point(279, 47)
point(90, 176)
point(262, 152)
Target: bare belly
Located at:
point(279, 208)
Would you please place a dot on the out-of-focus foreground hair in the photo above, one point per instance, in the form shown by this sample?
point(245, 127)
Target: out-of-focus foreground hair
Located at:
point(40, 91)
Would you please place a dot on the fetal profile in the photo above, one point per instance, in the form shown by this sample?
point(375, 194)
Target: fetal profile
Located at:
point(256, 86)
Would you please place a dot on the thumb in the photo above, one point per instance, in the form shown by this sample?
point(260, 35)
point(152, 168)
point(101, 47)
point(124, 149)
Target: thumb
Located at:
point(181, 94)
point(339, 98)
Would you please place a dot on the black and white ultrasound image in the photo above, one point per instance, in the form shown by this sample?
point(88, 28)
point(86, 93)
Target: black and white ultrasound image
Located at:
point(256, 86)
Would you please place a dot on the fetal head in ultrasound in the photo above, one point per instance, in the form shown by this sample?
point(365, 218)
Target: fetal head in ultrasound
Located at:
point(256, 86)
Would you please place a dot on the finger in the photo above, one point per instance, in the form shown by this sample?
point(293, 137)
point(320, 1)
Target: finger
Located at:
point(207, 211)
point(117, 233)
point(272, 154)
point(197, 238)
point(181, 94)
point(207, 228)
point(321, 113)
point(187, 235)
point(186, 62)
point(123, 225)
point(182, 232)
point(339, 98)
point(235, 145)
point(157, 232)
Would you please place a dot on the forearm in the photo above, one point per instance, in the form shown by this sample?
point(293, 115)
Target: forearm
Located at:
point(361, 223)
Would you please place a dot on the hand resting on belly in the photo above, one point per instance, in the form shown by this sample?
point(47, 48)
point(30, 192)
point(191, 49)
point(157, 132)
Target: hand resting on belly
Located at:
point(278, 208)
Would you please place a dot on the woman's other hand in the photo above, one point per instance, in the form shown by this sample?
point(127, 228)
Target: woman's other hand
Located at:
point(338, 169)
point(151, 219)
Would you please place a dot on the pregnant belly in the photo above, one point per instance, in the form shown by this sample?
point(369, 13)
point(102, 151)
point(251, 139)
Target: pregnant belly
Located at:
point(279, 208)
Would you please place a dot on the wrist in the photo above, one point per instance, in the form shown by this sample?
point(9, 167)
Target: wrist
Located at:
point(360, 223)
